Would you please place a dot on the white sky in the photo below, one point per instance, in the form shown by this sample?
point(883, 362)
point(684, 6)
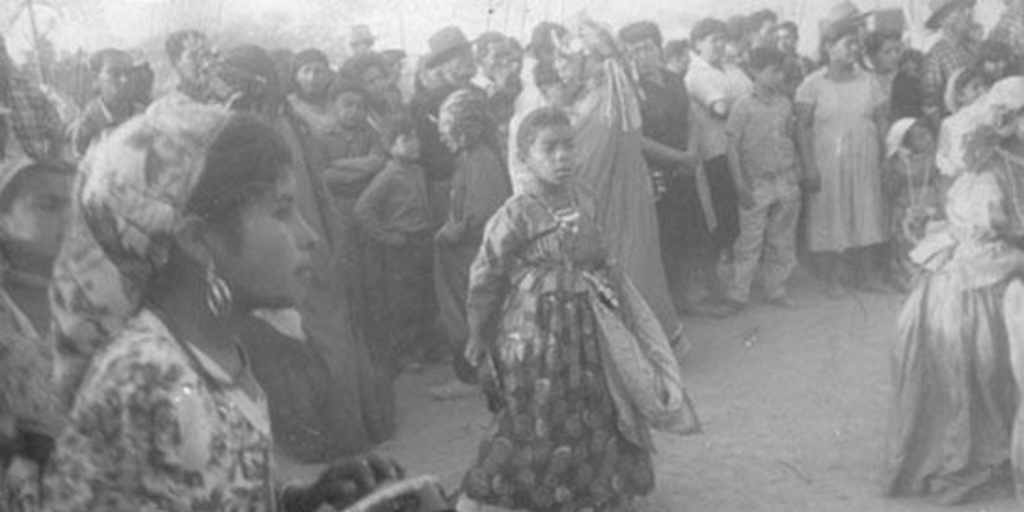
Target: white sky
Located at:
point(92, 24)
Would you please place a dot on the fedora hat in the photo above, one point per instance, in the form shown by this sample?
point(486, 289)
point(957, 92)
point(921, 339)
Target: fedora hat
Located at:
point(840, 18)
point(842, 13)
point(361, 34)
point(940, 8)
point(445, 44)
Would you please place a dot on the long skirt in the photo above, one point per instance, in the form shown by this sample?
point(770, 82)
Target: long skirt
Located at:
point(955, 397)
point(557, 446)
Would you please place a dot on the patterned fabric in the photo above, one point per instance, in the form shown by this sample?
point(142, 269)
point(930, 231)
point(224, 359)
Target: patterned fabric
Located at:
point(34, 121)
point(558, 443)
point(94, 122)
point(1009, 30)
point(945, 57)
point(970, 137)
point(157, 425)
point(127, 200)
point(915, 193)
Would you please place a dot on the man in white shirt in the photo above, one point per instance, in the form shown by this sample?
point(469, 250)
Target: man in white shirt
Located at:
point(713, 87)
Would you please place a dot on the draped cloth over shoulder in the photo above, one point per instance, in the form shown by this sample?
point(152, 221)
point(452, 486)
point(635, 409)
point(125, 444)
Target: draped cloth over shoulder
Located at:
point(127, 202)
point(609, 145)
point(642, 370)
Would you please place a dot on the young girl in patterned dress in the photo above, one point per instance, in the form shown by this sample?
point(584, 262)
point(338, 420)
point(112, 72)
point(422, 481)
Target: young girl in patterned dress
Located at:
point(542, 298)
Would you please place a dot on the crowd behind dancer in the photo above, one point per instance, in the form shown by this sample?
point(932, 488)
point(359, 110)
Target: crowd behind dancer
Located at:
point(300, 235)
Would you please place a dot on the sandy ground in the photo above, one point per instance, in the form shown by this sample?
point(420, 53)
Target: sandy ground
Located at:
point(793, 405)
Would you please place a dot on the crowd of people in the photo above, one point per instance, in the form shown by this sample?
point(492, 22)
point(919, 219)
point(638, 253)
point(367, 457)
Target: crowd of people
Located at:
point(208, 294)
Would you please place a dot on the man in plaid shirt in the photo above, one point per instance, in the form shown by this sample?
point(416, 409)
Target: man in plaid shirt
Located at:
point(29, 124)
point(1010, 31)
point(955, 50)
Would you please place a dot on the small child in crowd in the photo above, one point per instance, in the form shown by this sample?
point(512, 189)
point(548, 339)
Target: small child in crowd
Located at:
point(34, 199)
point(762, 156)
point(354, 147)
point(914, 190)
point(395, 217)
point(480, 185)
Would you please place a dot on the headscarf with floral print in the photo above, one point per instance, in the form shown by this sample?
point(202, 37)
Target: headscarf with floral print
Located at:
point(128, 201)
point(970, 137)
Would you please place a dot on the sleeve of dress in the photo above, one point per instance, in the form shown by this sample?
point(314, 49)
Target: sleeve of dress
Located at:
point(504, 237)
point(132, 441)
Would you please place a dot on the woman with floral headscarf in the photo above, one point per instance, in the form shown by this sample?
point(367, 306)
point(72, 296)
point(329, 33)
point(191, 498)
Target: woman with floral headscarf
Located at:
point(184, 222)
point(958, 364)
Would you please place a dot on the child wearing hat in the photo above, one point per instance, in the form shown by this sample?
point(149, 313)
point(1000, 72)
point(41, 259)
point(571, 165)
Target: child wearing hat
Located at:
point(34, 199)
point(914, 191)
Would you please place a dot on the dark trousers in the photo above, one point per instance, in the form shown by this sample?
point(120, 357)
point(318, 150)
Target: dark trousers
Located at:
point(725, 202)
point(405, 296)
point(684, 236)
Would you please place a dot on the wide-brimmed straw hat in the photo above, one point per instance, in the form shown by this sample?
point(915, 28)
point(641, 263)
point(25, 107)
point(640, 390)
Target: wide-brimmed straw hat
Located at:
point(941, 8)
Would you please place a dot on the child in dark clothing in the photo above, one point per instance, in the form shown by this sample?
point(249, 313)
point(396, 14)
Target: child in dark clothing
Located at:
point(908, 87)
point(394, 214)
point(353, 146)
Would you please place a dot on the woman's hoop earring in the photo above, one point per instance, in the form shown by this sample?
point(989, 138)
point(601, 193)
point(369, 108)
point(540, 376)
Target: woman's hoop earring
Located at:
point(218, 294)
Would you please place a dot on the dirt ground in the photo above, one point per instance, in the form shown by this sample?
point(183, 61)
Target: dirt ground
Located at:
point(793, 405)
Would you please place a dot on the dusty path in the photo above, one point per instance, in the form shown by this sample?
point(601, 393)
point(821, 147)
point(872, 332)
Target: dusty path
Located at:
point(793, 405)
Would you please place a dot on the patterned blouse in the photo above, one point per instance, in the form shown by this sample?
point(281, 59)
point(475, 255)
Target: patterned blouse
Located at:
point(158, 426)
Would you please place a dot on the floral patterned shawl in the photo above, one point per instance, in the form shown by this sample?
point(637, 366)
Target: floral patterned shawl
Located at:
point(970, 137)
point(127, 202)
